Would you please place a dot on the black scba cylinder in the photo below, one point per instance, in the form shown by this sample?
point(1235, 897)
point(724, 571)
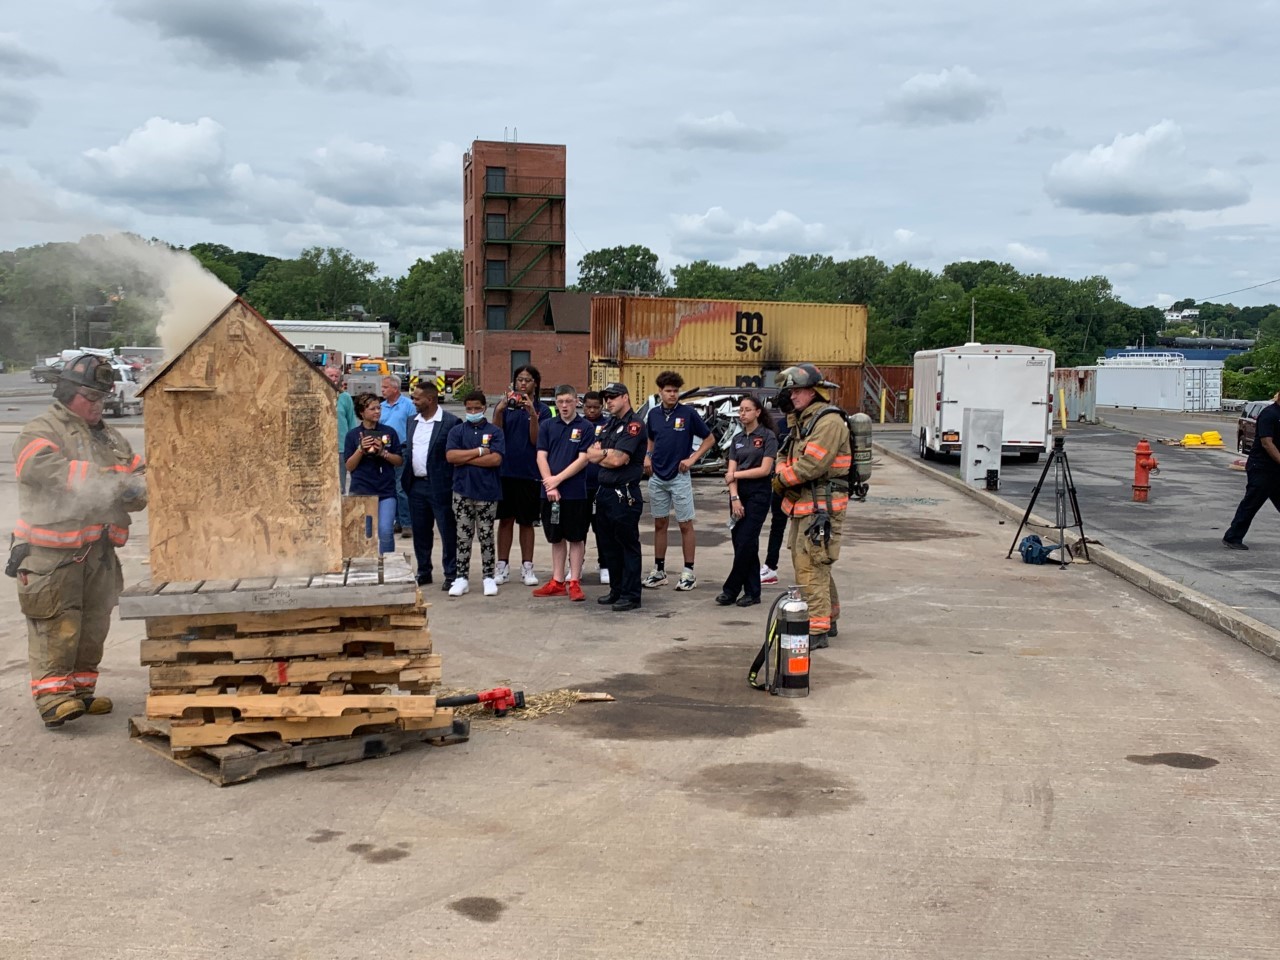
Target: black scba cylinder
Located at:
point(793, 648)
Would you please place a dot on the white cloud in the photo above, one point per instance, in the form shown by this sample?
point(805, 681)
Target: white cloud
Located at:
point(1142, 173)
point(724, 131)
point(256, 34)
point(933, 99)
point(160, 161)
point(370, 174)
point(716, 235)
point(1165, 300)
point(1047, 133)
point(17, 108)
point(1024, 256)
point(19, 63)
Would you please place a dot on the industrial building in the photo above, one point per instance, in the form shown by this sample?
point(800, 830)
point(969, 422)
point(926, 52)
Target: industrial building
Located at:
point(368, 338)
point(515, 309)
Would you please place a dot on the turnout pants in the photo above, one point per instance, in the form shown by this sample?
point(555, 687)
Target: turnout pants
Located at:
point(67, 597)
point(475, 519)
point(812, 565)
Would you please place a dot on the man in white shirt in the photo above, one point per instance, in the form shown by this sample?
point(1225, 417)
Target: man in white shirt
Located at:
point(428, 483)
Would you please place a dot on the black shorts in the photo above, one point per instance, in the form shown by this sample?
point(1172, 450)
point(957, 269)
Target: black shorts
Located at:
point(520, 499)
point(575, 520)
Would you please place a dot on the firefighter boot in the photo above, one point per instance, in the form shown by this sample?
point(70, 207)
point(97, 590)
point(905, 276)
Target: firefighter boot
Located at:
point(60, 713)
point(97, 706)
point(818, 641)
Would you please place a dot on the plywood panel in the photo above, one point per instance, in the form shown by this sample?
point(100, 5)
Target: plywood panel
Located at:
point(359, 526)
point(242, 470)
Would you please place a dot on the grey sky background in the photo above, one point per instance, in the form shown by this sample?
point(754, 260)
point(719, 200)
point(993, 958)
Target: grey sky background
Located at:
point(1133, 140)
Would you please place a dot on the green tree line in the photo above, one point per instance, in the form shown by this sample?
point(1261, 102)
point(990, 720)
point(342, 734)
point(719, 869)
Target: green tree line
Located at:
point(909, 308)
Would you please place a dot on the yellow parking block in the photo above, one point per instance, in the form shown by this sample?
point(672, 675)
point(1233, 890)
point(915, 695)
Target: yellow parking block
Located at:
point(1193, 440)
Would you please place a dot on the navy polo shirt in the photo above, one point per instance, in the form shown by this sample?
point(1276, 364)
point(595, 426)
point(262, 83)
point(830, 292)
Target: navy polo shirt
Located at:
point(373, 476)
point(521, 458)
point(470, 481)
point(628, 435)
point(597, 428)
point(673, 432)
point(562, 443)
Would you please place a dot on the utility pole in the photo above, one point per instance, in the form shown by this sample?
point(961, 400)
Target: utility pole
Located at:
point(75, 339)
point(972, 312)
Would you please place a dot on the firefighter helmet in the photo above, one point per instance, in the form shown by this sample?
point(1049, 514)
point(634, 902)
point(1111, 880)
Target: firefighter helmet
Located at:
point(89, 371)
point(804, 375)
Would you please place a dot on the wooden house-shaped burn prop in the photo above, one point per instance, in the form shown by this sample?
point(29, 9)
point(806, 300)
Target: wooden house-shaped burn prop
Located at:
point(242, 450)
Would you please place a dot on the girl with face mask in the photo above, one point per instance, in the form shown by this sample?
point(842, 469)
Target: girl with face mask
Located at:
point(476, 449)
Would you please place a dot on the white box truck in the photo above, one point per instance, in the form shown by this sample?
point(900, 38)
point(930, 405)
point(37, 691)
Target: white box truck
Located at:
point(1015, 379)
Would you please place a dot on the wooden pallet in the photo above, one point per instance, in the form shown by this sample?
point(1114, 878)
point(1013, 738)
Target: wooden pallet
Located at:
point(404, 671)
point(205, 625)
point(330, 704)
point(198, 733)
point(335, 643)
point(243, 760)
point(367, 583)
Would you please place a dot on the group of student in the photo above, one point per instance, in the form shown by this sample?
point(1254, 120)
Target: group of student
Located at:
point(530, 465)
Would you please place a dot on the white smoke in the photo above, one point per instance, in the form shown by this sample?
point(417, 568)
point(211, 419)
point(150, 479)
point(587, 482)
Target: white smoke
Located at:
point(190, 296)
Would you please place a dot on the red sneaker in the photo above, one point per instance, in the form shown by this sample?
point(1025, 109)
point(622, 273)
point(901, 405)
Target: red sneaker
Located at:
point(552, 588)
point(575, 591)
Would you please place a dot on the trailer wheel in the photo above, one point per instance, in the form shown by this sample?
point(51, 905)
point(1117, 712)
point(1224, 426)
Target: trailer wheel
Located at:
point(925, 452)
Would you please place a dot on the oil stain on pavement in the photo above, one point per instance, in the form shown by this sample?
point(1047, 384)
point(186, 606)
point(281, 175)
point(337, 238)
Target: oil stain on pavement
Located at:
point(1185, 761)
point(694, 692)
point(372, 854)
point(480, 909)
point(772, 790)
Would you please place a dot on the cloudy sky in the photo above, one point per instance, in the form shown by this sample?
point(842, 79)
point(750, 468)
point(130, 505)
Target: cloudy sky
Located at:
point(1132, 139)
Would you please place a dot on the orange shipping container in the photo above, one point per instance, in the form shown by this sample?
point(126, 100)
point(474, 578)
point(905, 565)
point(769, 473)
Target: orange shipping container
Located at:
point(750, 335)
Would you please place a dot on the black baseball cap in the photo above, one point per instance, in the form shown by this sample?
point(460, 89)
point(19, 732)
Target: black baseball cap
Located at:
point(615, 390)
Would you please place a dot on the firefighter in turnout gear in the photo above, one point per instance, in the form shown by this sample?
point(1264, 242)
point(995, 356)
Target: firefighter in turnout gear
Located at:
point(78, 481)
point(812, 478)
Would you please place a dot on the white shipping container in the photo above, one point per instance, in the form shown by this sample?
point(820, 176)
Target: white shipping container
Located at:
point(1160, 381)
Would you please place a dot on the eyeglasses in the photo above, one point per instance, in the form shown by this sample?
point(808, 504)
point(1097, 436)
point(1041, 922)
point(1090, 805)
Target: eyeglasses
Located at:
point(610, 396)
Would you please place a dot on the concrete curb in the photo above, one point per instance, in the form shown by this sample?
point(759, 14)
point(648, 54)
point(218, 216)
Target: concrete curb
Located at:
point(1254, 633)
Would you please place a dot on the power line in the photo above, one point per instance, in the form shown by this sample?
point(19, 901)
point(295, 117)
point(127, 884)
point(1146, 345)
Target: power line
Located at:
point(1265, 283)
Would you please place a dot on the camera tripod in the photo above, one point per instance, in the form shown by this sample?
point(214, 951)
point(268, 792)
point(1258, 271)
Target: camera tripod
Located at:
point(1064, 498)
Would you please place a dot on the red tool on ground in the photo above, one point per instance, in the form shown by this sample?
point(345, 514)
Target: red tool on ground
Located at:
point(499, 700)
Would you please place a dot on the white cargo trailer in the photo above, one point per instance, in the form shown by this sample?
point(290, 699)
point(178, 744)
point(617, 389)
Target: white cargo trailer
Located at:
point(1014, 379)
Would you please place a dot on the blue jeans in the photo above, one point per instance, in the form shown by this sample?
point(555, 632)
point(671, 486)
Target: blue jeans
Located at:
point(387, 525)
point(402, 498)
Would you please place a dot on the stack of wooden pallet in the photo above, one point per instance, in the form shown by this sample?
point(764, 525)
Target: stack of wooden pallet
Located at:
point(250, 674)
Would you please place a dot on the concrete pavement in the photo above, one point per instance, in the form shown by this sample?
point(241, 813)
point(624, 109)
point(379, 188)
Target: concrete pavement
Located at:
point(997, 760)
point(1178, 533)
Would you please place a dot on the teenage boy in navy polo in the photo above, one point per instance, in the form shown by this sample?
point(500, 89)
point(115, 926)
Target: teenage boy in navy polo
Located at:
point(520, 414)
point(566, 515)
point(475, 448)
point(672, 426)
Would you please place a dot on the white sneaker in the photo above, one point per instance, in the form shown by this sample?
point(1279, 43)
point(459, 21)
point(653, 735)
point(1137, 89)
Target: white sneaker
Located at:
point(460, 586)
point(655, 579)
point(604, 575)
point(768, 575)
point(687, 581)
point(490, 587)
point(527, 576)
point(503, 573)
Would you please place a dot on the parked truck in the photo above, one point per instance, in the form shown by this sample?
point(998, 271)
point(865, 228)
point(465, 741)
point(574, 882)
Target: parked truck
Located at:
point(1016, 380)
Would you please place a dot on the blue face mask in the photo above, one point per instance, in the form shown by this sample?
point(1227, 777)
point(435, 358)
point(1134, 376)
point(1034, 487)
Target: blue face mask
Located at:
point(475, 417)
